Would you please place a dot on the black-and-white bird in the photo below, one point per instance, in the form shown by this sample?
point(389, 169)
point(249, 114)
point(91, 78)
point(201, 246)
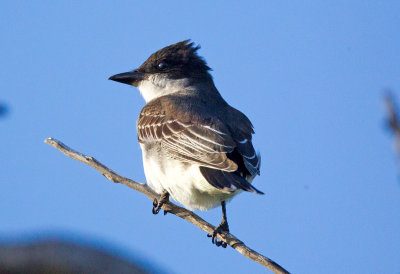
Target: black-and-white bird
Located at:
point(196, 147)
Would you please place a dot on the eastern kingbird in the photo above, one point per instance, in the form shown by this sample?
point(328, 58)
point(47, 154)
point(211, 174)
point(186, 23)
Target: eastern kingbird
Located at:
point(196, 148)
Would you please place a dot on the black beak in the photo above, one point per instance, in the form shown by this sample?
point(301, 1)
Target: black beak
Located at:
point(130, 78)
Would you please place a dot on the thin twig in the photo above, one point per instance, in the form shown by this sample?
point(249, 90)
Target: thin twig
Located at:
point(185, 214)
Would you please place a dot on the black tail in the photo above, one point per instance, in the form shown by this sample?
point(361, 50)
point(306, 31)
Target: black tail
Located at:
point(227, 181)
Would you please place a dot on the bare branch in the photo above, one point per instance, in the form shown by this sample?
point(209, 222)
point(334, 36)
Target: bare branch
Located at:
point(181, 212)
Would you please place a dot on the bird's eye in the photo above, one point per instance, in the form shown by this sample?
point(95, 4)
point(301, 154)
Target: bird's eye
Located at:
point(162, 65)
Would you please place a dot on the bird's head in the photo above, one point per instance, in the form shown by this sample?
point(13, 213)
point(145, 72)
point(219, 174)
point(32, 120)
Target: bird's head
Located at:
point(168, 70)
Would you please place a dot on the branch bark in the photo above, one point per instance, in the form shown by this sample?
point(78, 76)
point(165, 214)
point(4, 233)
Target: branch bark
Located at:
point(181, 212)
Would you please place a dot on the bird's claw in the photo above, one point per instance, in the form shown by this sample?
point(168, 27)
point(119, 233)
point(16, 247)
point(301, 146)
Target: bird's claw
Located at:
point(216, 241)
point(156, 207)
point(223, 227)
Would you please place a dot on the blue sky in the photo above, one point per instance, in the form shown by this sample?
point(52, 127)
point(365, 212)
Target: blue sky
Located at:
point(309, 74)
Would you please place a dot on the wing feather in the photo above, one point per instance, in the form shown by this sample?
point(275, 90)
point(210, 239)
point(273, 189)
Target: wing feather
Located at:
point(226, 155)
point(188, 142)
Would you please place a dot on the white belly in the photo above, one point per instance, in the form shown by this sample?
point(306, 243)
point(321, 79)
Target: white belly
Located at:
point(184, 182)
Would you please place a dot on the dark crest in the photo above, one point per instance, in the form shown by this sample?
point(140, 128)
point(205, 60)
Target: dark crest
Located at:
point(177, 61)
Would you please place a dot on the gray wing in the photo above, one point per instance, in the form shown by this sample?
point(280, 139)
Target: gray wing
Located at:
point(248, 163)
point(225, 154)
point(205, 144)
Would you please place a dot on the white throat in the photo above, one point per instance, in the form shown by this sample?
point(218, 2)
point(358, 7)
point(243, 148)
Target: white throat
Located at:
point(156, 86)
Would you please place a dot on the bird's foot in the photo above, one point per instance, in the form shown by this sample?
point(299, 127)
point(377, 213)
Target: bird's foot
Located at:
point(157, 205)
point(222, 227)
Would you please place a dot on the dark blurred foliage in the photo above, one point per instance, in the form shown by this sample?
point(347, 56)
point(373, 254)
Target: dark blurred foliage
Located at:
point(54, 255)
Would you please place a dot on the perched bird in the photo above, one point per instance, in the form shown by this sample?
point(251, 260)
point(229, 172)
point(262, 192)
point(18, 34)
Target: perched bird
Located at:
point(196, 147)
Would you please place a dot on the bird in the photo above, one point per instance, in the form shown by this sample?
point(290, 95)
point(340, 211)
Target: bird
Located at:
point(196, 148)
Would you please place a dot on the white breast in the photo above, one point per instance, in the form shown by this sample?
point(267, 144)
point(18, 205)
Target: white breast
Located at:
point(184, 183)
